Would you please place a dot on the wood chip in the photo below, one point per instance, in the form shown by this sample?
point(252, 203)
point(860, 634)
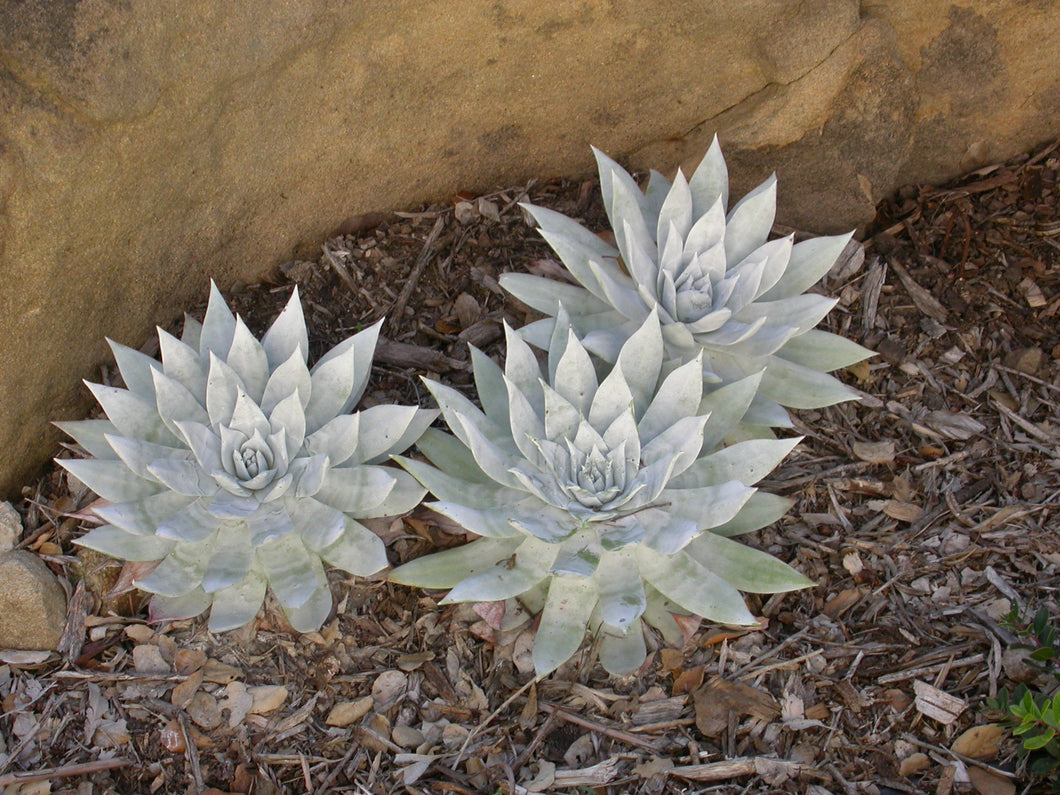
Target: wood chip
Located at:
point(936, 704)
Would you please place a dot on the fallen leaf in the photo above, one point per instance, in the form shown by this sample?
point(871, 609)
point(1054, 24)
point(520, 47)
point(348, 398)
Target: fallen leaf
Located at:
point(266, 698)
point(913, 764)
point(388, 687)
point(987, 783)
point(852, 563)
point(347, 712)
point(183, 693)
point(979, 742)
point(238, 702)
point(147, 659)
point(874, 452)
point(715, 700)
point(842, 602)
point(220, 673)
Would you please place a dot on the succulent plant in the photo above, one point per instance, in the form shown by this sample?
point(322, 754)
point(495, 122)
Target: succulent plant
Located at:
point(719, 286)
point(239, 468)
point(610, 495)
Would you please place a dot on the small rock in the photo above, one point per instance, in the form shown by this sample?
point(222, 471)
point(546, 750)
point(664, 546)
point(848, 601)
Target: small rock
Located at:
point(32, 603)
point(10, 527)
point(347, 712)
point(407, 737)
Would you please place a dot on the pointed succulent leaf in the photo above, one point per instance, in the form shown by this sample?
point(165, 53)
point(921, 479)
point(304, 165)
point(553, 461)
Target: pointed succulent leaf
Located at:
point(621, 590)
point(746, 462)
point(357, 550)
point(760, 510)
point(570, 603)
point(509, 578)
point(744, 567)
point(406, 494)
point(546, 295)
point(810, 260)
point(386, 430)
point(175, 608)
point(695, 587)
point(801, 387)
point(218, 327)
point(292, 571)
point(310, 616)
point(180, 571)
point(710, 181)
point(133, 415)
point(356, 489)
point(91, 435)
point(447, 568)
point(135, 368)
point(110, 479)
point(623, 654)
point(119, 544)
point(452, 488)
point(287, 335)
point(231, 558)
point(247, 357)
point(822, 351)
point(749, 221)
point(446, 452)
point(237, 604)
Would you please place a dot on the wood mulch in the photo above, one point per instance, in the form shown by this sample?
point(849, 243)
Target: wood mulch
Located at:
point(923, 513)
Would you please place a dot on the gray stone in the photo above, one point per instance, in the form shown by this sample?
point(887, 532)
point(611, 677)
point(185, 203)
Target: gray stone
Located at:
point(32, 603)
point(147, 146)
point(10, 527)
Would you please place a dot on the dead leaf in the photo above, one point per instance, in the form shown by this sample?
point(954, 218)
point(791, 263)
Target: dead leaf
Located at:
point(388, 687)
point(715, 700)
point(842, 602)
point(266, 698)
point(979, 742)
point(987, 783)
point(347, 712)
point(874, 452)
point(183, 693)
point(913, 764)
point(220, 673)
point(238, 701)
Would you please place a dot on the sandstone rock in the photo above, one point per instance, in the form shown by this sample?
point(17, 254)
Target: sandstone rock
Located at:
point(10, 527)
point(32, 603)
point(147, 146)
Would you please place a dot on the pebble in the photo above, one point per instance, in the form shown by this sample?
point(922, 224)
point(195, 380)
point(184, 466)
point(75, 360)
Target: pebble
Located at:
point(10, 527)
point(33, 603)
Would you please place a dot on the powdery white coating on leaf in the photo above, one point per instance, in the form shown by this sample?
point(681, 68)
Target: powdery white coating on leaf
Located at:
point(720, 287)
point(591, 487)
point(240, 469)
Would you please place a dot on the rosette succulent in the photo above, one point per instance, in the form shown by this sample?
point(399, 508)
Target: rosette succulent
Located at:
point(239, 468)
point(601, 502)
point(718, 284)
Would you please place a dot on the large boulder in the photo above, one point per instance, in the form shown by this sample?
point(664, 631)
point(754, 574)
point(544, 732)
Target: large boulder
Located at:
point(147, 146)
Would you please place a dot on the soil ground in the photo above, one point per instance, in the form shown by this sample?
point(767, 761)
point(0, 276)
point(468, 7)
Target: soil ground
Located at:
point(924, 513)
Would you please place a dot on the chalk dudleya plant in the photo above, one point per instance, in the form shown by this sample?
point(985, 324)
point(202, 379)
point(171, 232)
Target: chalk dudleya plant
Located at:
point(718, 284)
point(603, 503)
point(239, 468)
